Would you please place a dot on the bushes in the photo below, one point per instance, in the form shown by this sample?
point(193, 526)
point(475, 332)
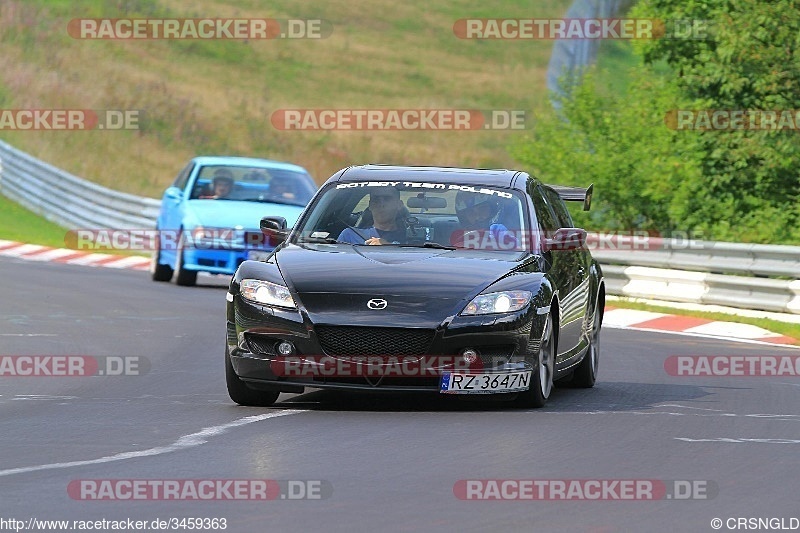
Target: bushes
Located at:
point(741, 185)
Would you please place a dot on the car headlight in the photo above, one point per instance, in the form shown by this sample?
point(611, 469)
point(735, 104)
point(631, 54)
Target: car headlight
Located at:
point(264, 292)
point(497, 302)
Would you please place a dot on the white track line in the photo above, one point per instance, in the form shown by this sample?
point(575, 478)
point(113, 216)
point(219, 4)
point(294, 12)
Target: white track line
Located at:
point(184, 442)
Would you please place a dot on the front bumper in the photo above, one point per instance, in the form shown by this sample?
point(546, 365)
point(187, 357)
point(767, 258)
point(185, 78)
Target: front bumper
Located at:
point(406, 359)
point(218, 261)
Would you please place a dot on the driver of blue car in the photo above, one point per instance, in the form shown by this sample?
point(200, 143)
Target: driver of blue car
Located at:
point(221, 185)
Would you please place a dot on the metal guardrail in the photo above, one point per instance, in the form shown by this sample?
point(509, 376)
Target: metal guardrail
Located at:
point(68, 200)
point(706, 273)
point(763, 260)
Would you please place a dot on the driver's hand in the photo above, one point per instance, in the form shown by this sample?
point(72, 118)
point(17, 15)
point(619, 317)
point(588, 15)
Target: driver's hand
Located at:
point(373, 241)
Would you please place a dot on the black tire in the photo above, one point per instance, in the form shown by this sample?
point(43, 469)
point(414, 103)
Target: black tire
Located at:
point(586, 373)
point(240, 393)
point(185, 278)
point(542, 378)
point(158, 271)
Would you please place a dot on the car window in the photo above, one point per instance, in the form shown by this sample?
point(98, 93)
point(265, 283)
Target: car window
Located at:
point(183, 176)
point(255, 184)
point(544, 213)
point(427, 212)
point(563, 217)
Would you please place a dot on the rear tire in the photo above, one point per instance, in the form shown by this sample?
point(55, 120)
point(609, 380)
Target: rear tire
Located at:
point(586, 373)
point(542, 378)
point(240, 393)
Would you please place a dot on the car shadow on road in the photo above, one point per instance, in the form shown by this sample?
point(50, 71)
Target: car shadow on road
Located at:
point(604, 397)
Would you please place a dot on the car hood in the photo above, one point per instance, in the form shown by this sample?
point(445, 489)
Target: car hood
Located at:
point(232, 213)
point(422, 286)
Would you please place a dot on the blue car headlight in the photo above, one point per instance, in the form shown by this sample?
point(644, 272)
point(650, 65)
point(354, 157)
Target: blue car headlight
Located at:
point(497, 302)
point(266, 293)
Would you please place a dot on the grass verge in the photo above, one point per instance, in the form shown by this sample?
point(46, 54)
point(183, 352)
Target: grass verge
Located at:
point(22, 225)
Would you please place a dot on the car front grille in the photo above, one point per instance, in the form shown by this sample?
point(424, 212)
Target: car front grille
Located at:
point(357, 340)
point(495, 355)
point(261, 345)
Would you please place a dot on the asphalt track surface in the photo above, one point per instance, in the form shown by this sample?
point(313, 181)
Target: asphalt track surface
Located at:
point(391, 461)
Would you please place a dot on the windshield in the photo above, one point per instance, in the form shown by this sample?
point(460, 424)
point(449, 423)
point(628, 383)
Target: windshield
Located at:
point(438, 215)
point(255, 184)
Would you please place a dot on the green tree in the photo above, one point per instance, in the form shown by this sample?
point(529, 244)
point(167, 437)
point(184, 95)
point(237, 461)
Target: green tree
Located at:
point(731, 185)
point(750, 61)
point(621, 144)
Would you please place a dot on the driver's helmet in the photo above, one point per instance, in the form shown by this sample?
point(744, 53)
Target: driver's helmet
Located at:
point(466, 201)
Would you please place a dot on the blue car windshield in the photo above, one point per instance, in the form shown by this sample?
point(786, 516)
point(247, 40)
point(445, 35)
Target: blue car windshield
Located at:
point(253, 184)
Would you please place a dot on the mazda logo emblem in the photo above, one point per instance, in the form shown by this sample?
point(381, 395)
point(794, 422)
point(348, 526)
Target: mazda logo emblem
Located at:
point(377, 303)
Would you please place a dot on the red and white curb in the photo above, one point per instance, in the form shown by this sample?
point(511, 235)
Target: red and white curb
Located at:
point(35, 252)
point(649, 321)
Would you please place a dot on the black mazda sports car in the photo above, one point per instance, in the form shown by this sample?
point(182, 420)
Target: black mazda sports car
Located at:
point(449, 280)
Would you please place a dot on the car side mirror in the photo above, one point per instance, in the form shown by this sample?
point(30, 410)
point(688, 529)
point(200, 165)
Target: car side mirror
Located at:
point(565, 239)
point(173, 193)
point(275, 229)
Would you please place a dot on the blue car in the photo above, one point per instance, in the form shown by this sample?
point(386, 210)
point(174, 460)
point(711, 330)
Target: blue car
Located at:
point(209, 219)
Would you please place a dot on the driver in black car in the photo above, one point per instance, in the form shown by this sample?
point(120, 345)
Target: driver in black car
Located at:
point(387, 214)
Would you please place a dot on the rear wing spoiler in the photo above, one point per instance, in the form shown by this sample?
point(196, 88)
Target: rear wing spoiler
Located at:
point(575, 194)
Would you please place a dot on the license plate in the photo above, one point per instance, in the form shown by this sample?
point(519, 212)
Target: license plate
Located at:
point(489, 383)
point(257, 255)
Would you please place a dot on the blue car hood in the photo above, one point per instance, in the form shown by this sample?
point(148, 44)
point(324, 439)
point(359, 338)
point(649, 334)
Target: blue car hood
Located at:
point(232, 213)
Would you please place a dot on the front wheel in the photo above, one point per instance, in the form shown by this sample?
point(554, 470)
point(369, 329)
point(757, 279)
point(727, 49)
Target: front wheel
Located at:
point(240, 393)
point(542, 382)
point(158, 271)
point(186, 278)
